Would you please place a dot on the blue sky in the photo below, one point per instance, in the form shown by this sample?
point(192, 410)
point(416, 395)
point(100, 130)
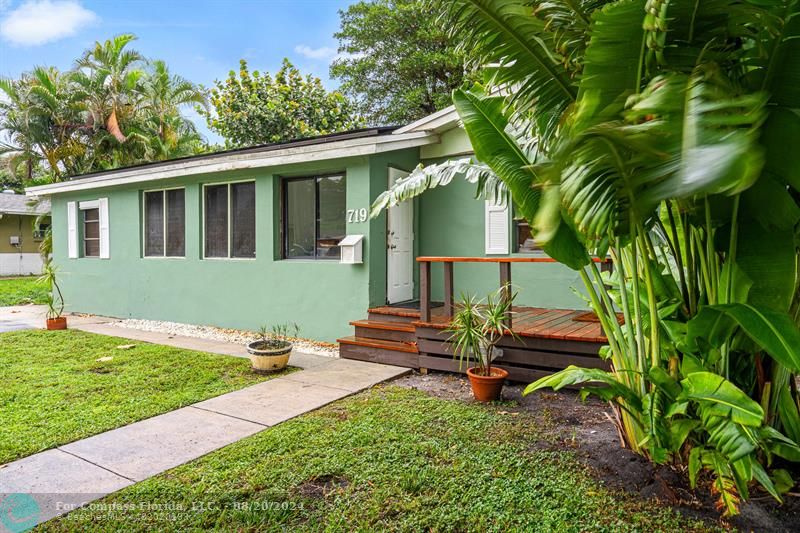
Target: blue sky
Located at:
point(199, 39)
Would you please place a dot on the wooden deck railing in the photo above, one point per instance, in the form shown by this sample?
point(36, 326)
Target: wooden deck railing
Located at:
point(447, 264)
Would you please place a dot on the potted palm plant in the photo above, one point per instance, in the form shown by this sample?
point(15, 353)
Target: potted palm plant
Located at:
point(476, 330)
point(270, 353)
point(55, 300)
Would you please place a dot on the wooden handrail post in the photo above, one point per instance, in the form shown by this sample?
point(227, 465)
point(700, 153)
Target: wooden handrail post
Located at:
point(425, 291)
point(448, 289)
point(505, 285)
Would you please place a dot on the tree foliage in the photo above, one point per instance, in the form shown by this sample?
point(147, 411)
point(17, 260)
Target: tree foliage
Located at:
point(659, 131)
point(114, 108)
point(397, 63)
point(255, 108)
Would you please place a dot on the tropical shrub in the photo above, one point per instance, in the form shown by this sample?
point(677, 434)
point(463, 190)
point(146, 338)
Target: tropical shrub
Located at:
point(478, 326)
point(257, 108)
point(656, 133)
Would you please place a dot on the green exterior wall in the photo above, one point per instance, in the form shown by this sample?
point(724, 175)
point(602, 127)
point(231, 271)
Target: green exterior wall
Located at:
point(451, 222)
point(321, 296)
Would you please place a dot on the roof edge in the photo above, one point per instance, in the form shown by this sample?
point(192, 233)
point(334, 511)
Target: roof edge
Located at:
point(287, 153)
point(442, 120)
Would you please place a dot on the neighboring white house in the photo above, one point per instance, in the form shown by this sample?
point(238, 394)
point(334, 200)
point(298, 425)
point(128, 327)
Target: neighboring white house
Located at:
point(19, 239)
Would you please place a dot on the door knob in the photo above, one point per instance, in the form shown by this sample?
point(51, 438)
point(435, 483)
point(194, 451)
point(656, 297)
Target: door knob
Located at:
point(392, 246)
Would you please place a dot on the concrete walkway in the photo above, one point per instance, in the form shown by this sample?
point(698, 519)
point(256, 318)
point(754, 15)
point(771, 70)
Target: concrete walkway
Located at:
point(59, 480)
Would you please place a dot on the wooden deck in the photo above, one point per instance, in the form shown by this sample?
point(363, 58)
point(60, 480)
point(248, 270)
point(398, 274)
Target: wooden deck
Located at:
point(547, 340)
point(416, 336)
point(539, 322)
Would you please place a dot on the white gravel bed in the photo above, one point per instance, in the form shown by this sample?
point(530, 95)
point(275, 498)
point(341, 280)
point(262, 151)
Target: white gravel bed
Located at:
point(235, 336)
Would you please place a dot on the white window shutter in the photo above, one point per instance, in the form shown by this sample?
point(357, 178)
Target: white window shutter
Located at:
point(497, 228)
point(72, 230)
point(104, 241)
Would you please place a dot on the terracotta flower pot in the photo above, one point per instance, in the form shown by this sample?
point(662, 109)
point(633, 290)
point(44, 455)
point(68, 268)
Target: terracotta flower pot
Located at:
point(57, 323)
point(266, 359)
point(487, 388)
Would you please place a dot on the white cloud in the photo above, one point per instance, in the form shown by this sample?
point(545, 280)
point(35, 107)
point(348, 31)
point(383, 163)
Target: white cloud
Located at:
point(323, 52)
point(37, 22)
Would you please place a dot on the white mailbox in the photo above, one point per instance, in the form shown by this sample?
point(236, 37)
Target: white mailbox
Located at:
point(351, 247)
point(14, 240)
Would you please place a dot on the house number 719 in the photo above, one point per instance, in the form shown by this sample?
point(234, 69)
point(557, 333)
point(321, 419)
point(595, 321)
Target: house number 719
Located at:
point(356, 215)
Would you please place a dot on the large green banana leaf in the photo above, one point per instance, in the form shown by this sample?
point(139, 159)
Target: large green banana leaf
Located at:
point(774, 331)
point(505, 33)
point(486, 125)
point(573, 375)
point(611, 63)
point(721, 398)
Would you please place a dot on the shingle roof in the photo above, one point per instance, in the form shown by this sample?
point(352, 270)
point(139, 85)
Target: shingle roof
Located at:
point(17, 204)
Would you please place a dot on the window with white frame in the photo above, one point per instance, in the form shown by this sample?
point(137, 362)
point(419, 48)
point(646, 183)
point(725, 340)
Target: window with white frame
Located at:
point(88, 229)
point(230, 220)
point(164, 223)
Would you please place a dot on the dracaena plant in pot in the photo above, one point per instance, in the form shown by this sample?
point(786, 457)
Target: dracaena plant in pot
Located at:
point(476, 330)
point(270, 353)
point(55, 300)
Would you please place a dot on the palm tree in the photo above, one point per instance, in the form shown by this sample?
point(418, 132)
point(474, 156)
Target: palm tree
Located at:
point(653, 132)
point(110, 75)
point(43, 123)
point(163, 95)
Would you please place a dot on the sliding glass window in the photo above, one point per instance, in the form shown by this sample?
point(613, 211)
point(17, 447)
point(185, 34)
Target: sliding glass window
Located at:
point(230, 220)
point(165, 223)
point(314, 216)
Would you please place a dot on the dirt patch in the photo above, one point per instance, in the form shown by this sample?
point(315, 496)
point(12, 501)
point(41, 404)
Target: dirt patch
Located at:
point(319, 487)
point(586, 427)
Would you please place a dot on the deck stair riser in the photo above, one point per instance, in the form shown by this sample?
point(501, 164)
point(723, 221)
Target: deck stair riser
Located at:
point(379, 351)
point(397, 319)
point(389, 331)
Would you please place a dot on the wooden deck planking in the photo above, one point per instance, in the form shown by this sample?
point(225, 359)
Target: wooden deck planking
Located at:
point(560, 324)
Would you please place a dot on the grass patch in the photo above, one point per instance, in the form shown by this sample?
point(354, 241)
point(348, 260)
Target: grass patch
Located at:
point(59, 386)
point(22, 291)
point(386, 459)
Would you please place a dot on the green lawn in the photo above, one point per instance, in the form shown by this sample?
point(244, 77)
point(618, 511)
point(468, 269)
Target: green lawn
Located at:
point(56, 389)
point(21, 291)
point(386, 459)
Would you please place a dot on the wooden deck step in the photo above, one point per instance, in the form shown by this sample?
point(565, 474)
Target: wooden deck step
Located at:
point(379, 351)
point(381, 344)
point(387, 331)
point(393, 314)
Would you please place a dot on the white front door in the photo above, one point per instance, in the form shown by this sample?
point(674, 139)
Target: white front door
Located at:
point(400, 244)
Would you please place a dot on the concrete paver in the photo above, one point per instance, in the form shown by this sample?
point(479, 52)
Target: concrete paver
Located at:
point(274, 401)
point(144, 449)
point(347, 374)
point(57, 481)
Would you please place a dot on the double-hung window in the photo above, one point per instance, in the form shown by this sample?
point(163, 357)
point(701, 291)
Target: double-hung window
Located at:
point(230, 220)
point(165, 223)
point(91, 232)
point(314, 216)
point(88, 229)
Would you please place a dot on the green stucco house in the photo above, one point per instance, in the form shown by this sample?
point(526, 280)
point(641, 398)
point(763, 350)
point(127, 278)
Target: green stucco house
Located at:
point(249, 237)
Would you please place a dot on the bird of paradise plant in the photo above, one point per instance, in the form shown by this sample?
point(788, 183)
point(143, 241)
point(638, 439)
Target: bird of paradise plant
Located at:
point(655, 132)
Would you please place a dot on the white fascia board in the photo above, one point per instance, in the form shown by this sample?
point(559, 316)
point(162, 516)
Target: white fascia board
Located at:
point(225, 162)
point(442, 120)
point(21, 213)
